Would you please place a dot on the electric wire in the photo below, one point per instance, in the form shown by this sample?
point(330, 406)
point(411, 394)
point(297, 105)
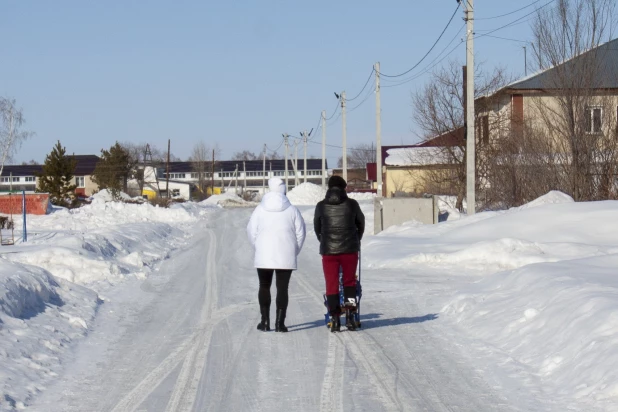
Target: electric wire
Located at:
point(430, 50)
point(363, 89)
point(508, 14)
point(516, 21)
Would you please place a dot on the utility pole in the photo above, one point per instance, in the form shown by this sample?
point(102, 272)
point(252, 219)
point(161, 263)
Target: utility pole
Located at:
point(264, 172)
point(344, 132)
point(525, 61)
point(244, 171)
point(323, 149)
point(285, 141)
point(212, 174)
point(470, 142)
point(295, 163)
point(378, 132)
point(236, 184)
point(305, 164)
point(167, 182)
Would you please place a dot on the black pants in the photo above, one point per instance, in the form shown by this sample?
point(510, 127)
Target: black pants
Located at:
point(266, 279)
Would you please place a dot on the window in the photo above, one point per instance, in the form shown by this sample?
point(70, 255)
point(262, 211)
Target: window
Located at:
point(226, 174)
point(177, 175)
point(5, 179)
point(30, 179)
point(482, 130)
point(593, 119)
point(16, 179)
point(175, 192)
point(80, 181)
point(255, 174)
point(314, 173)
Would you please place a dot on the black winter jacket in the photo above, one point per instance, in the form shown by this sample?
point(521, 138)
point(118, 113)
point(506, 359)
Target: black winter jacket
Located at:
point(339, 223)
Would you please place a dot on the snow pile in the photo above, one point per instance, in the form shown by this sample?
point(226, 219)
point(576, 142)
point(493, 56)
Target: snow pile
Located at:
point(361, 196)
point(50, 286)
point(105, 195)
point(553, 197)
point(227, 200)
point(39, 318)
point(547, 297)
point(306, 194)
point(418, 156)
point(558, 319)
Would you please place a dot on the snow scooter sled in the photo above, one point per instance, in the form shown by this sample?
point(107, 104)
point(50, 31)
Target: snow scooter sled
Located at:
point(350, 309)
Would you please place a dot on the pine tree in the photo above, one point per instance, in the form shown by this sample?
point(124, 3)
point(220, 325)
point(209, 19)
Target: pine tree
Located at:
point(113, 170)
point(57, 175)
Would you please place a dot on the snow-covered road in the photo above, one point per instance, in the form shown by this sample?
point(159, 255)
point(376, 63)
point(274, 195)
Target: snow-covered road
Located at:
point(185, 340)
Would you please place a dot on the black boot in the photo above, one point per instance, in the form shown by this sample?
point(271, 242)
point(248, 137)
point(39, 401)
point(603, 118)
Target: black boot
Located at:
point(265, 323)
point(335, 323)
point(279, 321)
point(349, 296)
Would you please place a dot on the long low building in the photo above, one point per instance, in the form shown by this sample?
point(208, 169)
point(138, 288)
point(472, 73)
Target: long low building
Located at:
point(230, 175)
point(25, 177)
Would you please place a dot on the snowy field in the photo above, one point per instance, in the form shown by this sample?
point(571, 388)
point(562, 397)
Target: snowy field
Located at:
point(121, 307)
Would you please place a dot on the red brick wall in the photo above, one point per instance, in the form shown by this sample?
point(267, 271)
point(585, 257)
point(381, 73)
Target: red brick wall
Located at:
point(36, 203)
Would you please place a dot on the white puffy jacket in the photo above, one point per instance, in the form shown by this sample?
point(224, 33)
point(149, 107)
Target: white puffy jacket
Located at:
point(276, 230)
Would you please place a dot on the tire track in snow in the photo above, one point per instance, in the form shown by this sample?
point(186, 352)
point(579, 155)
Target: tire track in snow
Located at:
point(331, 393)
point(183, 395)
point(147, 385)
point(378, 376)
point(331, 398)
point(221, 395)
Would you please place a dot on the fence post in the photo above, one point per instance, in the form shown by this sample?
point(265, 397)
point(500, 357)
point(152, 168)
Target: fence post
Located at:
point(23, 193)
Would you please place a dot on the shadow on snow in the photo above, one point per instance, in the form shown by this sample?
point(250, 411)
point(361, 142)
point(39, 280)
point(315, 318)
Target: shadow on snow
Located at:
point(370, 321)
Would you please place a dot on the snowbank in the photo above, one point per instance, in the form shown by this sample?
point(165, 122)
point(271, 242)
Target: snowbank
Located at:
point(547, 295)
point(306, 194)
point(558, 319)
point(227, 200)
point(105, 195)
point(50, 286)
point(39, 318)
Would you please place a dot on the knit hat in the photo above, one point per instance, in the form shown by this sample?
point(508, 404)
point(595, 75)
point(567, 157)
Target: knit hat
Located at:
point(275, 184)
point(336, 181)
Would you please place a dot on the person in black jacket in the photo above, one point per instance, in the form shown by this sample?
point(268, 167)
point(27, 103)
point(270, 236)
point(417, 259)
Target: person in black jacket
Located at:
point(339, 225)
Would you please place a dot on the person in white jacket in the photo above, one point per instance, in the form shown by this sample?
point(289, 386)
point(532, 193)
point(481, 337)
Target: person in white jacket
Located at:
point(277, 232)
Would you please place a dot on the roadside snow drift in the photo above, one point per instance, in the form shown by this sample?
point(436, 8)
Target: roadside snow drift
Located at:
point(51, 286)
point(547, 295)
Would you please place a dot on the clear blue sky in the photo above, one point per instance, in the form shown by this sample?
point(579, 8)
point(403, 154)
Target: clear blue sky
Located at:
point(239, 73)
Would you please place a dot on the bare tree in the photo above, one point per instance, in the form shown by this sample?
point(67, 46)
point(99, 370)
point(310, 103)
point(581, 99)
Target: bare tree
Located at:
point(274, 156)
point(202, 165)
point(244, 155)
point(11, 135)
point(439, 113)
point(359, 156)
point(575, 107)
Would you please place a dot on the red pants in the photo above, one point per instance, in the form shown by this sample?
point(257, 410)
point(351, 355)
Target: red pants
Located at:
point(331, 263)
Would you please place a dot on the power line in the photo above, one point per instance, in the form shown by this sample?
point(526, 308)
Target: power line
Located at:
point(278, 147)
point(335, 111)
point(506, 38)
point(509, 13)
point(427, 69)
point(349, 149)
point(373, 89)
point(430, 50)
point(515, 21)
point(363, 89)
point(431, 65)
